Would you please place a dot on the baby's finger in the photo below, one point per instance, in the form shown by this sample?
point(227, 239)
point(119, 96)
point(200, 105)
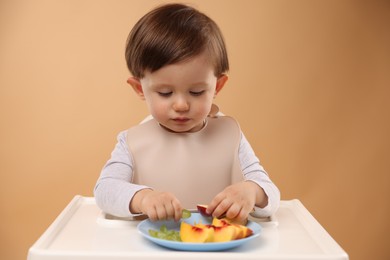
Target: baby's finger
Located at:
point(242, 216)
point(222, 208)
point(170, 211)
point(214, 203)
point(161, 213)
point(233, 211)
point(151, 213)
point(178, 210)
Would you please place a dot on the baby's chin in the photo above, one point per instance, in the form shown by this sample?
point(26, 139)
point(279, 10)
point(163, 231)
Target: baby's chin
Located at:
point(183, 129)
point(174, 129)
point(183, 126)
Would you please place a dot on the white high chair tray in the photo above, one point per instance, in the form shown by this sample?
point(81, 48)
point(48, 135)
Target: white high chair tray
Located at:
point(83, 232)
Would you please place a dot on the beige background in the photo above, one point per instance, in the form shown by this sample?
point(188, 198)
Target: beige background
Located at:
point(309, 83)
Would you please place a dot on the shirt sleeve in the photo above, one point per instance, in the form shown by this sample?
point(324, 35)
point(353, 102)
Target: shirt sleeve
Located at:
point(253, 171)
point(114, 188)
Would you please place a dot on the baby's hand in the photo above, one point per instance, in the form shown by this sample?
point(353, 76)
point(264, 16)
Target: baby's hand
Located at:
point(236, 201)
point(159, 205)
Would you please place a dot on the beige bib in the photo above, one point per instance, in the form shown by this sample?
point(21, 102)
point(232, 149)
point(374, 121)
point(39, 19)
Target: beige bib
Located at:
point(193, 166)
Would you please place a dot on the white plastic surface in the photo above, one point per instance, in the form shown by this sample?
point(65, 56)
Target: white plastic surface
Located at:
point(82, 232)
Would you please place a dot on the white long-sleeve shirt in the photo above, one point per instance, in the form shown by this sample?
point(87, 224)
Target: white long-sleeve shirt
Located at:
point(114, 189)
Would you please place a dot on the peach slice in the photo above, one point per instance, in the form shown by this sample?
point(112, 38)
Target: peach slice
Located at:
point(220, 230)
point(202, 210)
point(220, 222)
point(235, 221)
point(238, 231)
point(200, 225)
point(247, 232)
point(224, 233)
point(193, 234)
point(241, 231)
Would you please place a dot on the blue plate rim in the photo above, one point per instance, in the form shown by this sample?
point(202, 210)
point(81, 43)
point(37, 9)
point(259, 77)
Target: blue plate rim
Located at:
point(187, 246)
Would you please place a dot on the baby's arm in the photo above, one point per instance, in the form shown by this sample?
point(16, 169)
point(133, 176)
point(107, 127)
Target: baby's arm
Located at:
point(257, 190)
point(254, 172)
point(114, 190)
point(116, 195)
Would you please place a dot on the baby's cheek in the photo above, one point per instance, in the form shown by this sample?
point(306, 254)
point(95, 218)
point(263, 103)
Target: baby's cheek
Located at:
point(159, 110)
point(204, 111)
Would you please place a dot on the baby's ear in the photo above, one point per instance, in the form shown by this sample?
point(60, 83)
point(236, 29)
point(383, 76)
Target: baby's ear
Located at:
point(137, 87)
point(221, 83)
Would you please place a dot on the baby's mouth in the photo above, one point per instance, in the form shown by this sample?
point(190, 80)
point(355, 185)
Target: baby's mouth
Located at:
point(181, 119)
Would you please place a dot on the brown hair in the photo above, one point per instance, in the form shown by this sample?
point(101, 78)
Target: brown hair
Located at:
point(173, 33)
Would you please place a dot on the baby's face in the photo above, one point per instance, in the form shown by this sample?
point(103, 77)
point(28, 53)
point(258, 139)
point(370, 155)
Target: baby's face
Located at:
point(179, 96)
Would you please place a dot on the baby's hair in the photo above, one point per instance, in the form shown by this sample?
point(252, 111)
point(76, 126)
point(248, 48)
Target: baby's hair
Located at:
point(174, 33)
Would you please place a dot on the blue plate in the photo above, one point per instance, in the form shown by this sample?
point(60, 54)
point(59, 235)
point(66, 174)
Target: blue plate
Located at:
point(146, 224)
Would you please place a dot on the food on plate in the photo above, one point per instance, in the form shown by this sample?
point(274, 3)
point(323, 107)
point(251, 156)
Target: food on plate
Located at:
point(241, 231)
point(185, 213)
point(196, 234)
point(165, 233)
point(220, 230)
point(202, 210)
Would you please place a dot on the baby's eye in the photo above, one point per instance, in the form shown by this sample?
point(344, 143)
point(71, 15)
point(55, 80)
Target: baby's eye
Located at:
point(197, 93)
point(165, 94)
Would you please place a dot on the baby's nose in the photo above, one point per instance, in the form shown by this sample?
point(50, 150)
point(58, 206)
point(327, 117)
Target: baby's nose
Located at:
point(181, 104)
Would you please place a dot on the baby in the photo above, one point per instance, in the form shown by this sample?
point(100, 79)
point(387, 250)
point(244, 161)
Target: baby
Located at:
point(187, 153)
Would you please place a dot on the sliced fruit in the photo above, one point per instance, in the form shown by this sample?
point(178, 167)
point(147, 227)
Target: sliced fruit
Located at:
point(185, 213)
point(220, 230)
point(247, 231)
point(241, 231)
point(238, 232)
point(193, 234)
point(164, 233)
point(220, 222)
point(224, 233)
point(202, 210)
point(200, 225)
